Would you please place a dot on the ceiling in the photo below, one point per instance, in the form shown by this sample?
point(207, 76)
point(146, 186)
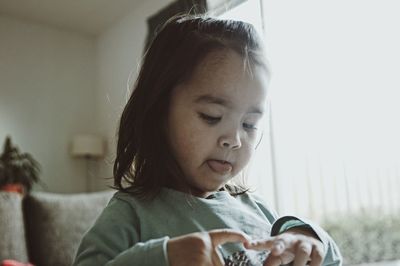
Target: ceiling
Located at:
point(89, 17)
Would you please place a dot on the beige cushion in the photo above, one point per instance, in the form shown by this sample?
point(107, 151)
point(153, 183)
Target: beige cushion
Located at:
point(56, 223)
point(12, 231)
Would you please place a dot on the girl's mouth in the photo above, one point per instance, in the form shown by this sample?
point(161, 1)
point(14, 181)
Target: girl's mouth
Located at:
point(220, 167)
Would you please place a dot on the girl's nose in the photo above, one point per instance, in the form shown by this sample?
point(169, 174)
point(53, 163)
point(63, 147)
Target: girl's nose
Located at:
point(231, 141)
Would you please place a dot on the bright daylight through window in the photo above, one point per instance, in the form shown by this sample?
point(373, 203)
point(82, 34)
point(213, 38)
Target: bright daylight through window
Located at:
point(332, 143)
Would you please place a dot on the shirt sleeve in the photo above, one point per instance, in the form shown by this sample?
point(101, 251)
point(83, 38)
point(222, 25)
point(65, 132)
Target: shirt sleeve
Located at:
point(114, 240)
point(332, 256)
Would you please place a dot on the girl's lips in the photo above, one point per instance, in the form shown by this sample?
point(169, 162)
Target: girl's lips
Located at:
point(219, 166)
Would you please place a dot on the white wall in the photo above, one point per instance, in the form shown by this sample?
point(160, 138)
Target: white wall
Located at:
point(47, 94)
point(119, 52)
point(54, 84)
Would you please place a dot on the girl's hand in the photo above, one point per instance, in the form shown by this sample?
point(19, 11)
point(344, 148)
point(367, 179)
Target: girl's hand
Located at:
point(295, 245)
point(201, 249)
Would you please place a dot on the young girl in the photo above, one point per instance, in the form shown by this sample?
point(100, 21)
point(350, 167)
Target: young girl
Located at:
point(188, 130)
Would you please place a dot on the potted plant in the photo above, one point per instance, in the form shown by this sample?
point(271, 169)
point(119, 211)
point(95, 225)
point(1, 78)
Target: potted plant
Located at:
point(18, 171)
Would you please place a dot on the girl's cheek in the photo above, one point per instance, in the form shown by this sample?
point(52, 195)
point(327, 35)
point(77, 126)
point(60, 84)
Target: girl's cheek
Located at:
point(244, 158)
point(254, 141)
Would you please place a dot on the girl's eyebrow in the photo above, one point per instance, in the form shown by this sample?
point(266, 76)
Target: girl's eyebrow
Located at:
point(208, 98)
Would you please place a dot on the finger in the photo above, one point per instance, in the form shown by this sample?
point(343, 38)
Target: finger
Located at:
point(222, 236)
point(277, 245)
point(217, 258)
point(302, 253)
point(284, 242)
point(262, 244)
point(317, 256)
point(273, 261)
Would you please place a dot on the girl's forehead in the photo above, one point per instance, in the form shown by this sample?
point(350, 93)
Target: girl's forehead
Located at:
point(223, 75)
point(223, 65)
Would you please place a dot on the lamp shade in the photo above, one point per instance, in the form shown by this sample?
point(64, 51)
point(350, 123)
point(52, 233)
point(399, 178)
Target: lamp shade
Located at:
point(87, 146)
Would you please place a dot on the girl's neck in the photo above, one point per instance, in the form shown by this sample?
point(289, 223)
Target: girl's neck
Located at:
point(194, 191)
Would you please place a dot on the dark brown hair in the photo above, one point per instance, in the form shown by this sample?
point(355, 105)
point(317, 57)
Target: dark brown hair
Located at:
point(144, 161)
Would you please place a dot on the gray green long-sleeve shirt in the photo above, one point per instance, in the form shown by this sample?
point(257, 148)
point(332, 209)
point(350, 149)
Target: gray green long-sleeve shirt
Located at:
point(134, 232)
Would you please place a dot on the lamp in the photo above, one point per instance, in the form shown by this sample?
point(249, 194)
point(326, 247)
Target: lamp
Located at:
point(89, 147)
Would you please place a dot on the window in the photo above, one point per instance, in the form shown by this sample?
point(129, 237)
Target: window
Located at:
point(334, 129)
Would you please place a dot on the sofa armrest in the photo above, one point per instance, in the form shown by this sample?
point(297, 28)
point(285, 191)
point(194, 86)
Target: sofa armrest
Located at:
point(12, 231)
point(55, 224)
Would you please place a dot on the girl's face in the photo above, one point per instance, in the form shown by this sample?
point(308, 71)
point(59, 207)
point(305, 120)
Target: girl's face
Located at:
point(213, 120)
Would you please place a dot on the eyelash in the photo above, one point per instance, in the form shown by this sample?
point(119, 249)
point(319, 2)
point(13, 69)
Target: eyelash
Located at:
point(213, 120)
point(210, 119)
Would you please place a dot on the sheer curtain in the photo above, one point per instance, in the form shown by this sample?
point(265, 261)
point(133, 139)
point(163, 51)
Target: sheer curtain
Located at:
point(332, 143)
point(335, 104)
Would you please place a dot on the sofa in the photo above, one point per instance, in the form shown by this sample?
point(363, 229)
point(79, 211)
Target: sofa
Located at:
point(45, 229)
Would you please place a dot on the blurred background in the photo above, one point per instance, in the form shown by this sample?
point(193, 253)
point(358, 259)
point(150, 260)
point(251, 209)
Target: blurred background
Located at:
point(330, 151)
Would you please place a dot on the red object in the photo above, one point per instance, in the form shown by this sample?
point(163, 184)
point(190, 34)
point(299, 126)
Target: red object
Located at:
point(18, 188)
point(14, 263)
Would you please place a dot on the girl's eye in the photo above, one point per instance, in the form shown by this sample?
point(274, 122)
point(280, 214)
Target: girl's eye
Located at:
point(209, 119)
point(249, 126)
